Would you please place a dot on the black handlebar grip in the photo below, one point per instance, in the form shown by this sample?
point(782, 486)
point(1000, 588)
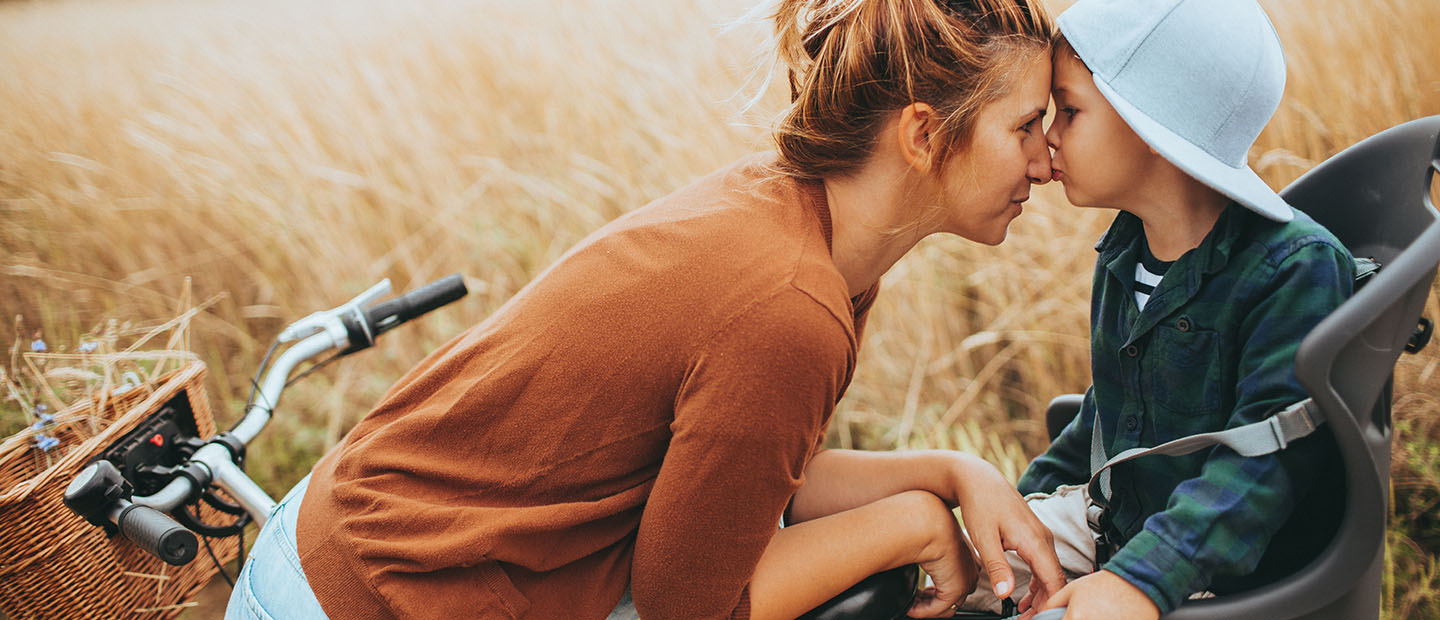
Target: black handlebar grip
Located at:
point(158, 534)
point(386, 315)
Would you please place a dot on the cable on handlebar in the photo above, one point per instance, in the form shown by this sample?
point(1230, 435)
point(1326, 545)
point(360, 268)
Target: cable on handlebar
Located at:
point(223, 506)
point(193, 522)
point(255, 383)
point(216, 560)
point(313, 368)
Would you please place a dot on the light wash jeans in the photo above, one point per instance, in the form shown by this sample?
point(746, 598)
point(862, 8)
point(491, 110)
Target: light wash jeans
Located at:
point(273, 587)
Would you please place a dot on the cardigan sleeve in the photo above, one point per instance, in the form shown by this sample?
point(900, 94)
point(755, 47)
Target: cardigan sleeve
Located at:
point(746, 420)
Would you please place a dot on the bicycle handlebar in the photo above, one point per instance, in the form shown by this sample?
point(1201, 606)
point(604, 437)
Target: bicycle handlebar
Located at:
point(388, 315)
point(158, 534)
point(349, 328)
point(99, 493)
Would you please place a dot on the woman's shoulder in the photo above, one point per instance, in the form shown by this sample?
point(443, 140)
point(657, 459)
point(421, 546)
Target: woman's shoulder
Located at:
point(745, 232)
point(754, 179)
point(729, 238)
point(747, 217)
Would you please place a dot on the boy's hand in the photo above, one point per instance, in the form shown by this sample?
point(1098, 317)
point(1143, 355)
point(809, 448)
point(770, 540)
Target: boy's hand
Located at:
point(998, 519)
point(1103, 595)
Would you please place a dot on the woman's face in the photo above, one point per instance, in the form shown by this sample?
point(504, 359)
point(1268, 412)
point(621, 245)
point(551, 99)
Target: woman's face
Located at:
point(987, 181)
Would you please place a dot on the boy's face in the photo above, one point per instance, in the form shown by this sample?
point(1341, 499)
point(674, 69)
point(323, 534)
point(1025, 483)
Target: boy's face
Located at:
point(1098, 158)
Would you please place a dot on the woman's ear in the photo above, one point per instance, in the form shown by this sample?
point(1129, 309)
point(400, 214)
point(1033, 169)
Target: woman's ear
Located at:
point(917, 121)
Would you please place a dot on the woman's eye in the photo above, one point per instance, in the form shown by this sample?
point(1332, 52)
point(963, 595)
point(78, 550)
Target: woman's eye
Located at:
point(1027, 127)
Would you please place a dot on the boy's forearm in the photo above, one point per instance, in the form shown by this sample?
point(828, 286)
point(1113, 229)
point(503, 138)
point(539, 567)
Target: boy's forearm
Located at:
point(1237, 503)
point(1055, 467)
point(1155, 568)
point(1067, 460)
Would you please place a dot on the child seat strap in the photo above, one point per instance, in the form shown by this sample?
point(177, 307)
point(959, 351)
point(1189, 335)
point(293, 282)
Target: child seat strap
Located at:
point(1256, 439)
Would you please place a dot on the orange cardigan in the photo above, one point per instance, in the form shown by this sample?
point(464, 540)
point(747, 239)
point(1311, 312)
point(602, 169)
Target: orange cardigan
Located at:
point(639, 415)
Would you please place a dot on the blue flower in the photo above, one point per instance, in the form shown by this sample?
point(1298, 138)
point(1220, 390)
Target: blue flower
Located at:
point(38, 346)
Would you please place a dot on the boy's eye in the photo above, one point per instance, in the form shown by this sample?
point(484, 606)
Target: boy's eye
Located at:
point(1068, 111)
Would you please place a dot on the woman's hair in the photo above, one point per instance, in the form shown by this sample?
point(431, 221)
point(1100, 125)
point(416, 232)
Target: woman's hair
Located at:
point(853, 62)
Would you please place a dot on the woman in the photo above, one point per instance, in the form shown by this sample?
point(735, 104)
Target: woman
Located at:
point(637, 419)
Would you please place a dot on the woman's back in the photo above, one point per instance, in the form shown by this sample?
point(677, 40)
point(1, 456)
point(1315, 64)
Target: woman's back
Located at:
point(535, 438)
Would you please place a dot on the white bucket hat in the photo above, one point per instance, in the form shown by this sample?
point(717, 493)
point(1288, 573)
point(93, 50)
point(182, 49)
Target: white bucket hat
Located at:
point(1196, 79)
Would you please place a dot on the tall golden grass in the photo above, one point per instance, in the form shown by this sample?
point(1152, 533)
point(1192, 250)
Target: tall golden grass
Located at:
point(290, 154)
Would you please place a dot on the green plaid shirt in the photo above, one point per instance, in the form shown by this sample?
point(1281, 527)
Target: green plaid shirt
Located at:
point(1213, 349)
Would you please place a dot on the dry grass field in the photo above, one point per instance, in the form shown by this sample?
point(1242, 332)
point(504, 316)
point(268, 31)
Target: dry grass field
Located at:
point(289, 154)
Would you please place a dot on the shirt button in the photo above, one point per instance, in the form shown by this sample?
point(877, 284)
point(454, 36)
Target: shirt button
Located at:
point(1131, 423)
point(1183, 325)
point(1132, 350)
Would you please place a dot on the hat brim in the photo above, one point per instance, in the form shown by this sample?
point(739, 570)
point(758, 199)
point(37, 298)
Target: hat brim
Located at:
point(1239, 184)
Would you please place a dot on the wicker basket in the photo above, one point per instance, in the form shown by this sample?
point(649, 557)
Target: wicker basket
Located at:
point(54, 564)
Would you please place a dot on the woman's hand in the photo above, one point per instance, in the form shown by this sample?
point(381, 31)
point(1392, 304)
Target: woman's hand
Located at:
point(994, 513)
point(1103, 595)
point(947, 559)
point(998, 520)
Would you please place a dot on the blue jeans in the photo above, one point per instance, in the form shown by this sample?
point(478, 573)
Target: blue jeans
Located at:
point(273, 587)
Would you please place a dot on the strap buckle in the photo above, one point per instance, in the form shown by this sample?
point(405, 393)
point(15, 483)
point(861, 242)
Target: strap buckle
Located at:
point(1297, 418)
point(1273, 423)
point(1098, 518)
point(1095, 517)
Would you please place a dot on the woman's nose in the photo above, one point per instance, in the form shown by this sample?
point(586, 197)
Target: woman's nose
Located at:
point(1039, 165)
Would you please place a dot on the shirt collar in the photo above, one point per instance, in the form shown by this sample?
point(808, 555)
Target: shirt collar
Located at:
point(1209, 257)
point(1119, 253)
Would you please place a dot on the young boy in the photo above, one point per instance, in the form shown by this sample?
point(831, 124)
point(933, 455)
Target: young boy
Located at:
point(1205, 285)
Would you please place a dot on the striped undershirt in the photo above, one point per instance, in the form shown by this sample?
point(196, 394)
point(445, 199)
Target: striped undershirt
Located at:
point(1148, 273)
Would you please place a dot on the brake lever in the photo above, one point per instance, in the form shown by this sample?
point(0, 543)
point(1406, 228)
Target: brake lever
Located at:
point(326, 320)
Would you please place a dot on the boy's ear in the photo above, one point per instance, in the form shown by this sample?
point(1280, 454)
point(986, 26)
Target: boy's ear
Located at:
point(917, 121)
